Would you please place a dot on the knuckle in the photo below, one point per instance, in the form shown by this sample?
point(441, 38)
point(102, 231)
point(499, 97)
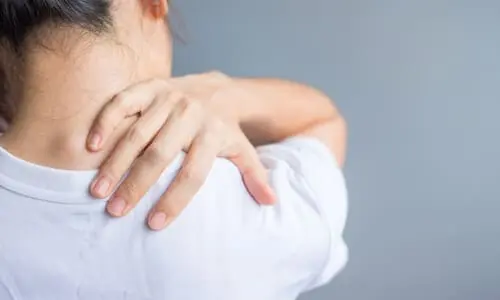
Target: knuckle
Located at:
point(209, 135)
point(159, 82)
point(182, 103)
point(190, 107)
point(196, 110)
point(154, 155)
point(136, 136)
point(218, 74)
point(176, 96)
point(192, 177)
point(214, 129)
point(214, 73)
point(131, 191)
point(216, 125)
point(120, 100)
point(111, 169)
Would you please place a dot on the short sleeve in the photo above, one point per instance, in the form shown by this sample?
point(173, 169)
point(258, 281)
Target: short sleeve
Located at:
point(314, 174)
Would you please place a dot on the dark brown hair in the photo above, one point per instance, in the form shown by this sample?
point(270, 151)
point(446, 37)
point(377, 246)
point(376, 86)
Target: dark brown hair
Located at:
point(21, 18)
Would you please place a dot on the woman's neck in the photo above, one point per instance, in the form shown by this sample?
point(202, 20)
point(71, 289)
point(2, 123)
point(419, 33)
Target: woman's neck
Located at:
point(60, 97)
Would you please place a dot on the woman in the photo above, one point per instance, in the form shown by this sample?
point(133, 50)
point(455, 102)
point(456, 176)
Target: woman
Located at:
point(63, 59)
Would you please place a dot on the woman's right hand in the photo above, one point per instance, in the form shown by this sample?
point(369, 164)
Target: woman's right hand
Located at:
point(169, 122)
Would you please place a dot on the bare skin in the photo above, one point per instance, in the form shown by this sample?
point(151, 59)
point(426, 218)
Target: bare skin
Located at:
point(66, 94)
point(215, 112)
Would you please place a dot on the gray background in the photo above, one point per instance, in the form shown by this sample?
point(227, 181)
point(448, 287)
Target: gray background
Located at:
point(419, 82)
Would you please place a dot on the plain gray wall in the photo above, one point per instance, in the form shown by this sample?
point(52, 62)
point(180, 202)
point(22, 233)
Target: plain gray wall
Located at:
point(419, 83)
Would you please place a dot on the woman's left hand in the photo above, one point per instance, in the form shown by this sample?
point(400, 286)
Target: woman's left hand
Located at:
point(171, 120)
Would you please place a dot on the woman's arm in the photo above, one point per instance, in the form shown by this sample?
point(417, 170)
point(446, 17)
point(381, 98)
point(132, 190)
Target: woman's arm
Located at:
point(266, 110)
point(270, 110)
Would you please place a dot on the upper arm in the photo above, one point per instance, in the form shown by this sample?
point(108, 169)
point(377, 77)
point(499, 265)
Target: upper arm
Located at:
point(312, 202)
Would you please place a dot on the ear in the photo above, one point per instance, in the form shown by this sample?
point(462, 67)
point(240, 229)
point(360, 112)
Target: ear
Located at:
point(158, 8)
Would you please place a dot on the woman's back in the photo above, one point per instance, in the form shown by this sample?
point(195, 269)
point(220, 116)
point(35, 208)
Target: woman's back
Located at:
point(64, 61)
point(56, 242)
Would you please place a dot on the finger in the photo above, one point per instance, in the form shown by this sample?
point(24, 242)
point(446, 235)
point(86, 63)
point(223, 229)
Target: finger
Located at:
point(178, 131)
point(128, 103)
point(196, 167)
point(130, 146)
point(254, 173)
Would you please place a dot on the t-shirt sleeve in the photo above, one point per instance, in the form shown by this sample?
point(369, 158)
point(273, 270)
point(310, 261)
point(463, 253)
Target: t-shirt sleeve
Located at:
point(310, 186)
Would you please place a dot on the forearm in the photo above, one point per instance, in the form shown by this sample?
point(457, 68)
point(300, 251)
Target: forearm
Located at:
point(270, 110)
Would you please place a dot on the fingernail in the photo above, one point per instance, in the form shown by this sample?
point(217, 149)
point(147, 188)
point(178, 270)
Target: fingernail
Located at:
point(268, 198)
point(158, 221)
point(116, 207)
point(101, 186)
point(95, 141)
point(272, 198)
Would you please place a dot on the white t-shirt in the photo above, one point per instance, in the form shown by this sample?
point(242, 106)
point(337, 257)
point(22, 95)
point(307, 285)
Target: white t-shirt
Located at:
point(57, 242)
